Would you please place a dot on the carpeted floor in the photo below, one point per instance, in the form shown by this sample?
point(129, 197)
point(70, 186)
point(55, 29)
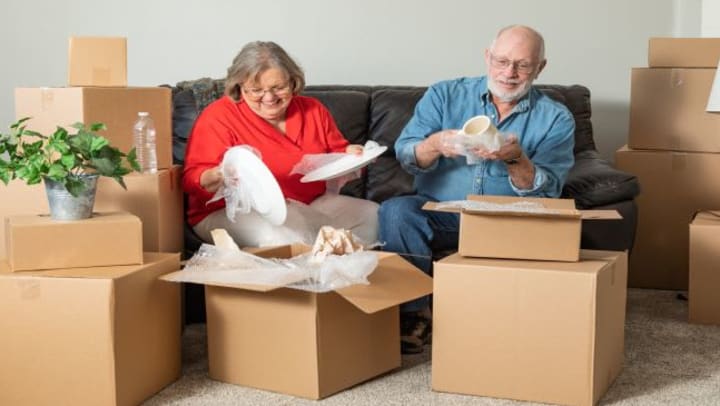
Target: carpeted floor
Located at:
point(667, 362)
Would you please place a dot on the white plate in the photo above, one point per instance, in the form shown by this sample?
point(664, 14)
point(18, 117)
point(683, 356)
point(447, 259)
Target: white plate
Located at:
point(266, 197)
point(343, 165)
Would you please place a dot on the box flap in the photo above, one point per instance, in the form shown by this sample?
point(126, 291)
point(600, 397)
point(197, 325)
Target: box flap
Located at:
point(393, 282)
point(503, 206)
point(97, 272)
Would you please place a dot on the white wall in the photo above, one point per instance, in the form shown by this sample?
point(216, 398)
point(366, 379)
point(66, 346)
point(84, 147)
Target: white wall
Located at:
point(401, 42)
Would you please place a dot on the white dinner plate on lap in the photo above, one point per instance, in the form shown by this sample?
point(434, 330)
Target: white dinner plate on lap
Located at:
point(266, 198)
point(344, 165)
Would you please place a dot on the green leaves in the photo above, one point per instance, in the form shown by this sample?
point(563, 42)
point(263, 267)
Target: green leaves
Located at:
point(62, 156)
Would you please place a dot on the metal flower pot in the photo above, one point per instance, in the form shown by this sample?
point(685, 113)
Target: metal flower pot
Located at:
point(64, 206)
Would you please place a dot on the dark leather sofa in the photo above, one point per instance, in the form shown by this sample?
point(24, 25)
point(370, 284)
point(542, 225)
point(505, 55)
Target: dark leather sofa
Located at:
point(380, 112)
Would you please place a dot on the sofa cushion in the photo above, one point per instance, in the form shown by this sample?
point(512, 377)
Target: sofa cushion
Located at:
point(391, 109)
point(593, 182)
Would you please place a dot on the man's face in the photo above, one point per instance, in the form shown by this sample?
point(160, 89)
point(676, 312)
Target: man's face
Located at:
point(512, 66)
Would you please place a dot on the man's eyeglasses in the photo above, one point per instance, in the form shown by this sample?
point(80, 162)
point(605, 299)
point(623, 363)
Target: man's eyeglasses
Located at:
point(523, 67)
point(257, 94)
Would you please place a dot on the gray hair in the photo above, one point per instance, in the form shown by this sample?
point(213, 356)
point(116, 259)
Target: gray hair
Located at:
point(531, 32)
point(257, 57)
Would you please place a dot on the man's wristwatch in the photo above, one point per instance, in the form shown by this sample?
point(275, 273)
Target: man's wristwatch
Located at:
point(513, 161)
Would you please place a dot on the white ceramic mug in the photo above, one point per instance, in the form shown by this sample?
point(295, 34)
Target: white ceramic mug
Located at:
point(479, 131)
point(479, 125)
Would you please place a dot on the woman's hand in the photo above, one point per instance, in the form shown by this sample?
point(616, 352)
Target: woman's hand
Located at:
point(211, 179)
point(356, 149)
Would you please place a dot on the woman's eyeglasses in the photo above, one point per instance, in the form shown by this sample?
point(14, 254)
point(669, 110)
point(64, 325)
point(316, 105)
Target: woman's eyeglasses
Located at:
point(257, 94)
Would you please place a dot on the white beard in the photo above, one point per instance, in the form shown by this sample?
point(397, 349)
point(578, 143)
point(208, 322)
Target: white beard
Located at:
point(507, 97)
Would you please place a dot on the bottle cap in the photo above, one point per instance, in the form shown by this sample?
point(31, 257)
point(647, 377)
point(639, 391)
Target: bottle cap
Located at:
point(143, 113)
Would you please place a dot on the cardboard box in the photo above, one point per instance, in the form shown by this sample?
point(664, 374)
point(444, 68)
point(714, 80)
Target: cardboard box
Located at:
point(551, 233)
point(309, 344)
point(703, 298)
point(157, 199)
point(683, 52)
point(667, 110)
point(97, 61)
point(550, 332)
point(19, 198)
point(674, 185)
point(36, 242)
point(89, 336)
point(116, 107)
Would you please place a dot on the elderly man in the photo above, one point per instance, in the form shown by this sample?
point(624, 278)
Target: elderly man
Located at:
point(533, 160)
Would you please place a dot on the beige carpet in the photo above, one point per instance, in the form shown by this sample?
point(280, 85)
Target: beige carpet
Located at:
point(667, 362)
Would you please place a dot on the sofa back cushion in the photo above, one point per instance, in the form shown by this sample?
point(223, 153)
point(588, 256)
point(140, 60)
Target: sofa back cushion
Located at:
point(366, 113)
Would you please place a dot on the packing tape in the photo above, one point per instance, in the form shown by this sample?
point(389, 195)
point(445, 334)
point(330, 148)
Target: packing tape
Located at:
point(29, 289)
point(678, 161)
point(47, 98)
point(676, 78)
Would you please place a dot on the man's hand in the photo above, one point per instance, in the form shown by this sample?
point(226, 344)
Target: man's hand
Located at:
point(441, 143)
point(508, 152)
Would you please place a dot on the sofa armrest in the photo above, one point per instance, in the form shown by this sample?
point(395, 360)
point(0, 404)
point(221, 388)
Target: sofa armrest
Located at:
point(593, 182)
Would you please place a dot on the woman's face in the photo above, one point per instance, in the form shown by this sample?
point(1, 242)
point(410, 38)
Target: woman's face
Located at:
point(268, 96)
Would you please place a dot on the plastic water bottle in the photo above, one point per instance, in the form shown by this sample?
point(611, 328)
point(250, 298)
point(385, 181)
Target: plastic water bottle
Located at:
point(144, 136)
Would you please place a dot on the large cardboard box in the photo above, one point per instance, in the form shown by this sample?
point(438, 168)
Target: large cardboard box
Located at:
point(683, 52)
point(667, 110)
point(157, 199)
point(521, 227)
point(19, 198)
point(97, 61)
point(703, 298)
point(309, 344)
point(89, 336)
point(116, 107)
point(674, 185)
point(550, 332)
point(36, 242)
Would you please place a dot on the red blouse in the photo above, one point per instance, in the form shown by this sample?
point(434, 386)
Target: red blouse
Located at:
point(309, 127)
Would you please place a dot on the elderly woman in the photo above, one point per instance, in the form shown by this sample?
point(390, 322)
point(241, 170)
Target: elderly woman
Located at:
point(262, 108)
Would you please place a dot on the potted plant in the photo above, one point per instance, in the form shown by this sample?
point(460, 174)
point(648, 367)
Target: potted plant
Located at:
point(69, 163)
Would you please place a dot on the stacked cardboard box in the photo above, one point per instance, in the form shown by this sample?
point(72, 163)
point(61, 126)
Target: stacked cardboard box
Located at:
point(673, 146)
point(704, 302)
point(84, 318)
point(521, 312)
point(98, 92)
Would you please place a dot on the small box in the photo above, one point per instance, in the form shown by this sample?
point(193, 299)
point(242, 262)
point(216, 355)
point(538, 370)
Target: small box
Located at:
point(89, 336)
point(674, 186)
point(703, 298)
point(20, 198)
point(309, 344)
point(683, 52)
point(156, 198)
point(667, 110)
point(550, 332)
point(36, 242)
point(550, 232)
point(116, 107)
point(97, 61)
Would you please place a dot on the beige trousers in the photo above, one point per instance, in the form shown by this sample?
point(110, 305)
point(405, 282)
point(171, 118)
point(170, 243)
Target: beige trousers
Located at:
point(301, 225)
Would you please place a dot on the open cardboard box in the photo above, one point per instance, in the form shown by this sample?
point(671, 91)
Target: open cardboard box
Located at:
point(549, 234)
point(309, 344)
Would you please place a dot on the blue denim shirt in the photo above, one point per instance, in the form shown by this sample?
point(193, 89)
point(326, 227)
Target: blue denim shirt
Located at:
point(544, 127)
